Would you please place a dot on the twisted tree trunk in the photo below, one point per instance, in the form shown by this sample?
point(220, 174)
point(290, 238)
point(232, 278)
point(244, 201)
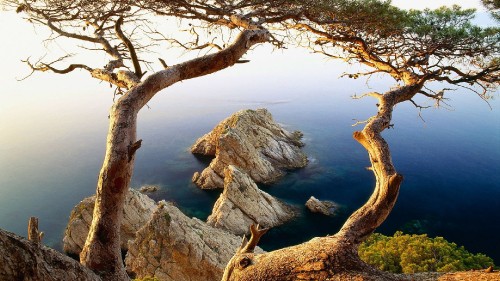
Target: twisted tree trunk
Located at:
point(101, 252)
point(335, 257)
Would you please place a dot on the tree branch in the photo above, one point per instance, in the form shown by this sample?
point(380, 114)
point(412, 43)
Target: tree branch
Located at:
point(130, 47)
point(201, 66)
point(256, 234)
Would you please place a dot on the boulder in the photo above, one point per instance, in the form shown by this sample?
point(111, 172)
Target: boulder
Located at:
point(242, 203)
point(137, 211)
point(21, 259)
point(172, 246)
point(252, 141)
point(327, 208)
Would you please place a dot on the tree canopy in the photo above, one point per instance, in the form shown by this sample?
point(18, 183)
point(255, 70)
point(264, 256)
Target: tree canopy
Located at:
point(416, 47)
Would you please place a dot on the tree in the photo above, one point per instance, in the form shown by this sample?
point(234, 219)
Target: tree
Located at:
point(420, 50)
point(123, 31)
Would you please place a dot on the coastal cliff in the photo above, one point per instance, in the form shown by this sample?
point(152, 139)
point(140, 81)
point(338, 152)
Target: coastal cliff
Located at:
point(173, 247)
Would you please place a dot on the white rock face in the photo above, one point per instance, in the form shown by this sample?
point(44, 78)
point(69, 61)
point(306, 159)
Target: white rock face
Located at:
point(242, 203)
point(173, 247)
point(137, 211)
point(252, 141)
point(327, 208)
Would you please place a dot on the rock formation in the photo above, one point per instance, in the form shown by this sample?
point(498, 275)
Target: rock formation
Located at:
point(327, 208)
point(252, 141)
point(137, 211)
point(172, 246)
point(21, 259)
point(242, 204)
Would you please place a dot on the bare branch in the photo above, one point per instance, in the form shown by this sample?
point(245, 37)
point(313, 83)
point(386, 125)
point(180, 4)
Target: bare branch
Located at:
point(256, 234)
point(130, 47)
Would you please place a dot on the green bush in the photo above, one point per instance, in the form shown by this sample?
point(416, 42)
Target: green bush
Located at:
point(405, 253)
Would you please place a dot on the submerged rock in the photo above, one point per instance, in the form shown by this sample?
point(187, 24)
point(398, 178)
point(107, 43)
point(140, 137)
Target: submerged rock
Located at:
point(242, 204)
point(136, 212)
point(327, 208)
point(149, 188)
point(172, 246)
point(252, 141)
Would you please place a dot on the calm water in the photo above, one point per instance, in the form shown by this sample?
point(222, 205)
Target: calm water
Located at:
point(52, 152)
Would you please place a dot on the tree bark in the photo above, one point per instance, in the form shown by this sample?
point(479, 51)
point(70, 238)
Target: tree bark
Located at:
point(101, 252)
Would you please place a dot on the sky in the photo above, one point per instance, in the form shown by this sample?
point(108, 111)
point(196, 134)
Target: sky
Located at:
point(20, 40)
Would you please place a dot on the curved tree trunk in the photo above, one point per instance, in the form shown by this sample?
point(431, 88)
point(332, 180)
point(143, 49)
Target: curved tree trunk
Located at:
point(101, 252)
point(335, 257)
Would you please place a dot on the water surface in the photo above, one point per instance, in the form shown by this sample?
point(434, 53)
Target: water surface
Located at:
point(53, 142)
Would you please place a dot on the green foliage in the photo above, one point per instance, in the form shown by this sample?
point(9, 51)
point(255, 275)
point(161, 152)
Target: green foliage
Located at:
point(404, 253)
point(448, 25)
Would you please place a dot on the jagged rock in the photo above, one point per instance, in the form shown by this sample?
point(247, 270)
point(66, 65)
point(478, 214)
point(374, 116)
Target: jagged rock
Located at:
point(252, 141)
point(21, 259)
point(149, 188)
point(327, 208)
point(137, 211)
point(173, 247)
point(242, 203)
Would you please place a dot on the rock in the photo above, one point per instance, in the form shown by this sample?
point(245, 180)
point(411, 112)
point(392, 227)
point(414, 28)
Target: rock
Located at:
point(149, 188)
point(172, 246)
point(252, 141)
point(21, 259)
point(243, 203)
point(137, 211)
point(327, 208)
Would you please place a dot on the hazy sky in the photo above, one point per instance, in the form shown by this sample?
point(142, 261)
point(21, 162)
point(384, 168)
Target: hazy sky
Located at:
point(20, 41)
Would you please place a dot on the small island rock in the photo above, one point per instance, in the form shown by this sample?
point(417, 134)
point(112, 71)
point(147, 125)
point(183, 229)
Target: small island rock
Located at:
point(136, 212)
point(252, 141)
point(242, 203)
point(149, 188)
point(327, 208)
point(173, 247)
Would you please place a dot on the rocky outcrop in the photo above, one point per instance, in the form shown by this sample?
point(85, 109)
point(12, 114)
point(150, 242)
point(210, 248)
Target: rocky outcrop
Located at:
point(137, 211)
point(172, 246)
point(242, 204)
point(21, 259)
point(252, 141)
point(327, 208)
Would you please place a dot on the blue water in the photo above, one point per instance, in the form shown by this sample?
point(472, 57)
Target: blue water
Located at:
point(451, 162)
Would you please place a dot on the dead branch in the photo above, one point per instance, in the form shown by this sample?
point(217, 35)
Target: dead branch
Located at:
point(256, 234)
point(130, 47)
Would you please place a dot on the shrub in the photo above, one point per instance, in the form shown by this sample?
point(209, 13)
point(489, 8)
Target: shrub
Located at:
point(404, 253)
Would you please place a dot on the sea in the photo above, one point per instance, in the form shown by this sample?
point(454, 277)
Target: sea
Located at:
point(54, 134)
